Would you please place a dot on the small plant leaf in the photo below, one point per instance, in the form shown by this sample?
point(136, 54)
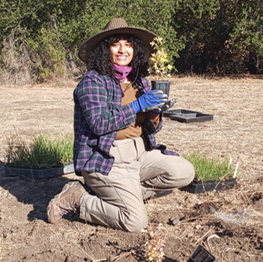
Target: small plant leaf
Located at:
point(159, 62)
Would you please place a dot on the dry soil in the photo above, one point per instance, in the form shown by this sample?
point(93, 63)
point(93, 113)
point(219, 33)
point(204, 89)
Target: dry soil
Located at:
point(233, 232)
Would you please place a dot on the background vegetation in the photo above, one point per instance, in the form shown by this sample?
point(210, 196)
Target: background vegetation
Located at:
point(39, 39)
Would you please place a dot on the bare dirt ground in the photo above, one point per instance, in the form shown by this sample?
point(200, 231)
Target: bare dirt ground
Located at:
point(233, 233)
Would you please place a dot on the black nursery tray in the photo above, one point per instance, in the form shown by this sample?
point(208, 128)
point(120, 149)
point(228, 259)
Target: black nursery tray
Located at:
point(40, 173)
point(187, 116)
point(205, 186)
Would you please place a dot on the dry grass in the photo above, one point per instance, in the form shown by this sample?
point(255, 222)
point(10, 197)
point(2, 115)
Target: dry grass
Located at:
point(235, 132)
point(236, 129)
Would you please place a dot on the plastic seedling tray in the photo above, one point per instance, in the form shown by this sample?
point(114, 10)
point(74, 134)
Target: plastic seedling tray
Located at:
point(39, 173)
point(165, 193)
point(198, 186)
point(187, 116)
point(201, 255)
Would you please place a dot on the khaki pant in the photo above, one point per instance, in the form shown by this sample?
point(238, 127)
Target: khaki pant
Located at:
point(136, 175)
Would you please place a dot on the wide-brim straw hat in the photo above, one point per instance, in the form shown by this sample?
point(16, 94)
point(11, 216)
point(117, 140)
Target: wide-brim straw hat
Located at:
point(116, 26)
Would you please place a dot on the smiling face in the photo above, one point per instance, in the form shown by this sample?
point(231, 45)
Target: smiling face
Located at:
point(122, 52)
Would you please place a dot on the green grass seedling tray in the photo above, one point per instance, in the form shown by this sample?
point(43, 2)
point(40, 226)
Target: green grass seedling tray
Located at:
point(210, 185)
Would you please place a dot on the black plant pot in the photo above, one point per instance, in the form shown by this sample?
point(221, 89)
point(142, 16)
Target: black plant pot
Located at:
point(161, 85)
point(201, 255)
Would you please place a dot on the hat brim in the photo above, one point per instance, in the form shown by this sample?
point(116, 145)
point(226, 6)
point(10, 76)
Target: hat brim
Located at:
point(144, 35)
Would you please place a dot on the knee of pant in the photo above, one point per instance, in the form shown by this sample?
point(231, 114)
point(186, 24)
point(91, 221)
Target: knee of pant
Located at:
point(189, 173)
point(136, 222)
point(182, 174)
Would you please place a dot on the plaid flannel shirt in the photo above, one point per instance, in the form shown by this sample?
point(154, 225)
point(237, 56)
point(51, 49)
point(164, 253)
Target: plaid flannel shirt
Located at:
point(98, 115)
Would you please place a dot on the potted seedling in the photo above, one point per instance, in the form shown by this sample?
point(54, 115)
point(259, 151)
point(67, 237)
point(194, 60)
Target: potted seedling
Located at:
point(160, 66)
point(210, 174)
point(43, 157)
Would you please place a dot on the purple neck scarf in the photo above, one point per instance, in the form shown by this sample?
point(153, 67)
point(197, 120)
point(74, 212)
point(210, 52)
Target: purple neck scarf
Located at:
point(121, 72)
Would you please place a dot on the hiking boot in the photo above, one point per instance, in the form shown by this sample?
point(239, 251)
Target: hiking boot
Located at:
point(68, 200)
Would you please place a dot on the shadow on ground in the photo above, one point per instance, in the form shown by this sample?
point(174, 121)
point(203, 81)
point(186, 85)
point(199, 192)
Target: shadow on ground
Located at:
point(34, 192)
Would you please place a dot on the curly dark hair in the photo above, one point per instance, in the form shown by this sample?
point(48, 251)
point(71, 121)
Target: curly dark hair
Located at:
point(100, 58)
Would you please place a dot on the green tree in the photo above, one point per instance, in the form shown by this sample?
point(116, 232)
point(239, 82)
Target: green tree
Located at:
point(221, 36)
point(39, 39)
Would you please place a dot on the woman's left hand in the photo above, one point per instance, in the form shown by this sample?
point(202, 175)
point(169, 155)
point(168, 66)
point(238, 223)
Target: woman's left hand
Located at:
point(167, 105)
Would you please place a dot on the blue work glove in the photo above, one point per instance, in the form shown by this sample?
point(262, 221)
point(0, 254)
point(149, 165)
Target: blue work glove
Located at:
point(151, 99)
point(158, 109)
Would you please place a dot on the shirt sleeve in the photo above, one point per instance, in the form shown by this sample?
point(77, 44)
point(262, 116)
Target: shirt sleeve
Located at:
point(101, 110)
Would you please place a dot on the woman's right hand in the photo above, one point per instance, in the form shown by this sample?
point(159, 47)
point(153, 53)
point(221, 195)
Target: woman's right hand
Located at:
point(152, 99)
